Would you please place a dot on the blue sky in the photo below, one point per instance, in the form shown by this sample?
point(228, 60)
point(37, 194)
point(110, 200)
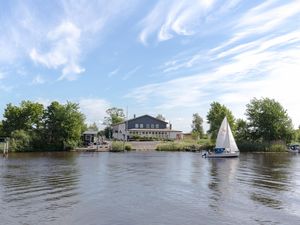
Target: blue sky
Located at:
point(172, 57)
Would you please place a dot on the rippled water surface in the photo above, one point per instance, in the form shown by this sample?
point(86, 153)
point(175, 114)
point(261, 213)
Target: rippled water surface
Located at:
point(148, 188)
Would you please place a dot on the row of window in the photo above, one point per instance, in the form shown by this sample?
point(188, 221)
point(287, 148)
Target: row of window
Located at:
point(148, 126)
point(146, 132)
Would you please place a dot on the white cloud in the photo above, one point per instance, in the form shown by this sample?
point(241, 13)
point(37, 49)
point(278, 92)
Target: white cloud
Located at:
point(131, 73)
point(64, 51)
point(114, 72)
point(174, 17)
point(256, 21)
point(267, 67)
point(38, 80)
point(94, 109)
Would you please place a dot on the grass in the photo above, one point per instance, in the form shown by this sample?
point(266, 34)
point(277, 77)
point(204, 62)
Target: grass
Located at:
point(120, 146)
point(184, 146)
point(248, 146)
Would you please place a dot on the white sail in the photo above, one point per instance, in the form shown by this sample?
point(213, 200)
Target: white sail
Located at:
point(222, 134)
point(225, 138)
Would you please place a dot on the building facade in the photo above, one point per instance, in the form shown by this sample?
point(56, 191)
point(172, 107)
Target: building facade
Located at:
point(145, 126)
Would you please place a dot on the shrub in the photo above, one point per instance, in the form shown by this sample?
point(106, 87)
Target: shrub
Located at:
point(20, 141)
point(119, 146)
point(248, 146)
point(181, 146)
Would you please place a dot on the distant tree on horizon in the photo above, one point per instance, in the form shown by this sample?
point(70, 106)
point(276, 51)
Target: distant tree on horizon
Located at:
point(160, 117)
point(197, 126)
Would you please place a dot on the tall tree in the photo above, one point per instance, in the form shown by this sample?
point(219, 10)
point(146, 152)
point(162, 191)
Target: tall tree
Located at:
point(27, 117)
point(242, 130)
point(215, 117)
point(115, 115)
point(197, 125)
point(160, 117)
point(268, 120)
point(64, 125)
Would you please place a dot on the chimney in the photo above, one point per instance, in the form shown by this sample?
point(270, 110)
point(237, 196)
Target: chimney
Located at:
point(134, 116)
point(170, 126)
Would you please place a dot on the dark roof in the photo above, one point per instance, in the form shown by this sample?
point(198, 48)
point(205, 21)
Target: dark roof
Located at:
point(140, 117)
point(148, 116)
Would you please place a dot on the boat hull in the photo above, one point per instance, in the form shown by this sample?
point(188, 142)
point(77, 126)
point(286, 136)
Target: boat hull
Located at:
point(223, 155)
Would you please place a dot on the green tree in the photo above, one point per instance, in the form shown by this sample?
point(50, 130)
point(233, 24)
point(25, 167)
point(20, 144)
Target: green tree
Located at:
point(20, 140)
point(197, 126)
point(27, 117)
point(160, 117)
point(242, 131)
point(1, 130)
point(297, 135)
point(268, 120)
point(93, 127)
point(64, 125)
point(215, 117)
point(115, 115)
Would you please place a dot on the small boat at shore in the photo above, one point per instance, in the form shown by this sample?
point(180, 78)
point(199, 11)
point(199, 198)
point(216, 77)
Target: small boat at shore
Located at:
point(294, 148)
point(225, 145)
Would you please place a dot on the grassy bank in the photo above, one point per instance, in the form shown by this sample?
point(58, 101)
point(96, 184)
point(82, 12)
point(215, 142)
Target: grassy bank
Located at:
point(184, 146)
point(247, 146)
point(120, 146)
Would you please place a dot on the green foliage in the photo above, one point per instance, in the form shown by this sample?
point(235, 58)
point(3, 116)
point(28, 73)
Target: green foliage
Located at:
point(268, 121)
point(93, 127)
point(197, 126)
point(215, 117)
point(182, 146)
point(108, 132)
point(120, 146)
point(115, 115)
point(20, 140)
point(27, 116)
point(242, 131)
point(296, 136)
point(2, 133)
point(31, 127)
point(251, 146)
point(64, 125)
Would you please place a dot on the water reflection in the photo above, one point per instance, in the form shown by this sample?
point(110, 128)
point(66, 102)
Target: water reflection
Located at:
point(222, 183)
point(41, 182)
point(271, 177)
point(149, 188)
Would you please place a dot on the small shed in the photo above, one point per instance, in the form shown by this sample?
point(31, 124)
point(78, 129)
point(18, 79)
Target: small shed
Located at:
point(89, 137)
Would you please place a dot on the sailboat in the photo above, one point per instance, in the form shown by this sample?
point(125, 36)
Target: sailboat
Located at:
point(225, 145)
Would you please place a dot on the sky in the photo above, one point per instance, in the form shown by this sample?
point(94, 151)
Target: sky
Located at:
point(169, 57)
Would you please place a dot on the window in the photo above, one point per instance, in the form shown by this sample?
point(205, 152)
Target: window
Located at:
point(147, 126)
point(136, 125)
point(152, 126)
point(141, 125)
point(157, 126)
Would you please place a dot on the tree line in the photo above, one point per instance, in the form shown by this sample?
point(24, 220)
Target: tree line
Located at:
point(266, 122)
point(31, 126)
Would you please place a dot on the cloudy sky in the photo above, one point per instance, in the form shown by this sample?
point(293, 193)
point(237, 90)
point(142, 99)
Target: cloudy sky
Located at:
point(172, 57)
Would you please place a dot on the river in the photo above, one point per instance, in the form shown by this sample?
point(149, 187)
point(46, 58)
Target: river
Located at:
point(146, 188)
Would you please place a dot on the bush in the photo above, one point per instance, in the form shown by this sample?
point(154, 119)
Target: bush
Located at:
point(248, 146)
point(20, 141)
point(119, 146)
point(181, 146)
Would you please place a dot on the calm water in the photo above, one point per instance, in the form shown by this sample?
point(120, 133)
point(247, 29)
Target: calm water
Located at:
point(148, 188)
